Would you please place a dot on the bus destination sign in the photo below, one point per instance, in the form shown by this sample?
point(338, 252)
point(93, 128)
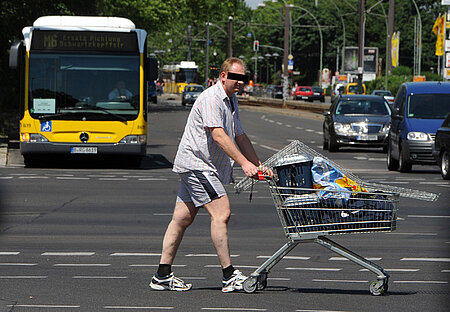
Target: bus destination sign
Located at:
point(99, 41)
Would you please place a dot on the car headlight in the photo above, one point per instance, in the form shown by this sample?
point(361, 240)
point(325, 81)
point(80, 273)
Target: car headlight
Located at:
point(343, 129)
point(33, 138)
point(418, 136)
point(134, 139)
point(188, 96)
point(385, 129)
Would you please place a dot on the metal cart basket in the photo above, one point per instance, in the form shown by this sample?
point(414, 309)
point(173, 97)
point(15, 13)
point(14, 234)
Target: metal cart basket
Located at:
point(309, 214)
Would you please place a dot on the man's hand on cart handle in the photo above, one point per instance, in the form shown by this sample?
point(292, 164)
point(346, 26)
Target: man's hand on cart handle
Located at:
point(263, 173)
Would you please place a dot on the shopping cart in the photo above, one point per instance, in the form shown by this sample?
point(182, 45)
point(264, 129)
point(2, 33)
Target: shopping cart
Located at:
point(309, 214)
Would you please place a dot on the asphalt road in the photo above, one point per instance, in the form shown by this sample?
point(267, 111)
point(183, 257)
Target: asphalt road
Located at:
point(87, 237)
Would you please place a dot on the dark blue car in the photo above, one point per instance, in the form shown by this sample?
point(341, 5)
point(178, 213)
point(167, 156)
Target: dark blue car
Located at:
point(419, 110)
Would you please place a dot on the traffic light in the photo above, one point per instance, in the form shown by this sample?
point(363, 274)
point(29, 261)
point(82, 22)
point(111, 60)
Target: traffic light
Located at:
point(256, 45)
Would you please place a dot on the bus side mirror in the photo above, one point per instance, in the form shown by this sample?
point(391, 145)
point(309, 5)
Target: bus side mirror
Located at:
point(15, 54)
point(152, 69)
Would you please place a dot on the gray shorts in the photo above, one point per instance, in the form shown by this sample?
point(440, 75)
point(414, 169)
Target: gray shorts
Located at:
point(200, 187)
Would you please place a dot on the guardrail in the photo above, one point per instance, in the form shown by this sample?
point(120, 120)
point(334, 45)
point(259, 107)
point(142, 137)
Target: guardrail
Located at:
point(278, 103)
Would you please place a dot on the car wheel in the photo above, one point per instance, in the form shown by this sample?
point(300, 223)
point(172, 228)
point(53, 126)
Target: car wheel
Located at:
point(332, 144)
point(392, 163)
point(183, 103)
point(403, 165)
point(444, 165)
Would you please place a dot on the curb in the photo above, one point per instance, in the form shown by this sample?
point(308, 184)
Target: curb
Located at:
point(3, 154)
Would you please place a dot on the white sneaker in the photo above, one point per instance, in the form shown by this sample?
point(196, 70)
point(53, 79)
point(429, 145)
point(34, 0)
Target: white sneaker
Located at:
point(234, 282)
point(169, 283)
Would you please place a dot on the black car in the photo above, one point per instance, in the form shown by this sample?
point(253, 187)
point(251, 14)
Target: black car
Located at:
point(277, 92)
point(318, 94)
point(441, 147)
point(356, 120)
point(190, 94)
point(152, 94)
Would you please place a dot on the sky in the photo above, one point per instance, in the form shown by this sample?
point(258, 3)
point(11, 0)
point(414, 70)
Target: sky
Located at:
point(253, 3)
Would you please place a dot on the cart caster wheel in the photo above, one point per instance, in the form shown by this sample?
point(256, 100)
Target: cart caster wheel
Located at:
point(262, 281)
point(250, 284)
point(379, 287)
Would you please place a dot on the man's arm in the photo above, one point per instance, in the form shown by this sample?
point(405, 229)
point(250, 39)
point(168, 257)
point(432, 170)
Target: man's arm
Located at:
point(248, 165)
point(246, 147)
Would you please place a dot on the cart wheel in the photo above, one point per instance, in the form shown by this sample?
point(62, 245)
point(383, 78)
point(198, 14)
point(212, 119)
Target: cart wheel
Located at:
point(379, 287)
point(262, 281)
point(250, 284)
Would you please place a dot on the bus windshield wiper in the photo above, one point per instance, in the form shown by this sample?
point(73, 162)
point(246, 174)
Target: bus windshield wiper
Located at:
point(77, 110)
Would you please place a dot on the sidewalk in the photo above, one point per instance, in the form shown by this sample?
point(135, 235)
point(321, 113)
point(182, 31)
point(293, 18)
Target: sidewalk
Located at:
point(3, 153)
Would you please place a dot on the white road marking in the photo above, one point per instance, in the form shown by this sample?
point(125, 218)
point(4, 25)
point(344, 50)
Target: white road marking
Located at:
point(315, 269)
point(420, 282)
point(17, 264)
point(156, 265)
point(69, 253)
point(23, 277)
point(134, 254)
point(269, 148)
point(82, 264)
point(345, 259)
point(9, 253)
point(395, 270)
point(113, 179)
point(319, 311)
point(233, 309)
point(98, 277)
point(208, 255)
point(72, 178)
point(427, 216)
point(426, 259)
point(339, 281)
point(136, 308)
point(153, 179)
point(47, 306)
point(286, 257)
point(33, 177)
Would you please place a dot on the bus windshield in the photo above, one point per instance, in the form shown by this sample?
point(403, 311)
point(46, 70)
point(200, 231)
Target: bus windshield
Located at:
point(83, 86)
point(428, 106)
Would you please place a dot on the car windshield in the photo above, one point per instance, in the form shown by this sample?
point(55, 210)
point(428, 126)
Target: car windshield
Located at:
point(428, 106)
point(362, 107)
point(383, 93)
point(317, 89)
point(195, 89)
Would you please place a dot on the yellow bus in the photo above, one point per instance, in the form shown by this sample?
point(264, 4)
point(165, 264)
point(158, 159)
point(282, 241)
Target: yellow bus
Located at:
point(177, 76)
point(83, 87)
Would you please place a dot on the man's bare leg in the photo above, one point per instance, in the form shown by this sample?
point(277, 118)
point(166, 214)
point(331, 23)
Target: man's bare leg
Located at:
point(183, 216)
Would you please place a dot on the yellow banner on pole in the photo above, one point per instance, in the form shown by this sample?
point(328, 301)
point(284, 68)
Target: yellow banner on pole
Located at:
point(395, 48)
point(439, 31)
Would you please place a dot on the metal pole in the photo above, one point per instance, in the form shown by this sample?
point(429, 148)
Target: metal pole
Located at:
point(419, 47)
point(189, 43)
point(286, 51)
point(207, 56)
point(230, 36)
point(391, 12)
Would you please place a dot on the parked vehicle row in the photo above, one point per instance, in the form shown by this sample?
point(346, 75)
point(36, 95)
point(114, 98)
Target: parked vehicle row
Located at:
point(413, 130)
point(309, 94)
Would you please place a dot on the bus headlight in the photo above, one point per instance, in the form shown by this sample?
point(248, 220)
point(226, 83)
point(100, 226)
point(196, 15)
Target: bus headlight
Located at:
point(33, 138)
point(134, 139)
point(418, 136)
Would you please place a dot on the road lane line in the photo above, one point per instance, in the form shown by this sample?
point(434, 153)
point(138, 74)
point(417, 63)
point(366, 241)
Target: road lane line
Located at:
point(314, 269)
point(338, 281)
point(156, 265)
point(72, 178)
point(9, 253)
point(269, 148)
point(426, 259)
point(135, 254)
point(233, 309)
point(82, 264)
point(98, 277)
point(17, 264)
point(394, 270)
point(136, 308)
point(68, 253)
point(319, 311)
point(420, 282)
point(427, 216)
point(207, 255)
point(345, 259)
point(286, 257)
point(23, 277)
point(47, 306)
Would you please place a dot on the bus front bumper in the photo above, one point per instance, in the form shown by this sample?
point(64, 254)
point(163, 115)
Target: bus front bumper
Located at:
point(83, 149)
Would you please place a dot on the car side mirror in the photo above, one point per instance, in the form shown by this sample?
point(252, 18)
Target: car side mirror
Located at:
point(326, 113)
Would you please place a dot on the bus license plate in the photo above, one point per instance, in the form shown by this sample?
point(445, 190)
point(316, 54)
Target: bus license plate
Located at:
point(83, 150)
point(366, 137)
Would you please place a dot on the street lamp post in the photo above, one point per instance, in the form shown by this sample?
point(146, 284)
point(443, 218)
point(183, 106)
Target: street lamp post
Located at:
point(268, 56)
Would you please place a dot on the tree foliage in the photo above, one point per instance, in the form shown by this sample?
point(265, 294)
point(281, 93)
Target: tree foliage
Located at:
point(167, 25)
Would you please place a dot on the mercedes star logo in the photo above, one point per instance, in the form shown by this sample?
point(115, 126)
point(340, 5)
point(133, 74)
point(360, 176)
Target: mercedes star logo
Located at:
point(84, 137)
